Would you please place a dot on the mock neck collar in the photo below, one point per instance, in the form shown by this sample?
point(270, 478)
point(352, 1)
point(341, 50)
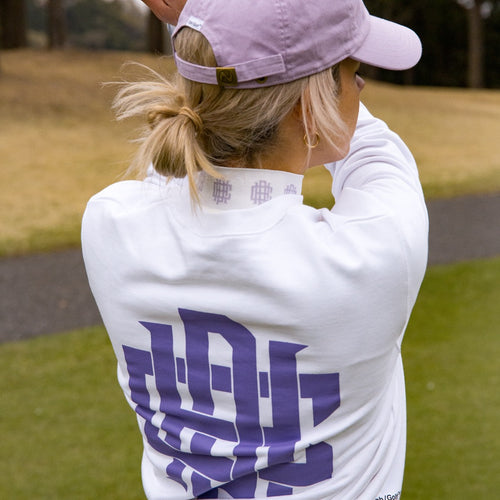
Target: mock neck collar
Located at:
point(241, 188)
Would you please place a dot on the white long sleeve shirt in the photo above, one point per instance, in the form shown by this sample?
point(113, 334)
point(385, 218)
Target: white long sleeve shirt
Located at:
point(258, 339)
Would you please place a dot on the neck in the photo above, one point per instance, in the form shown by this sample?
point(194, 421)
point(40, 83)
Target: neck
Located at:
point(290, 153)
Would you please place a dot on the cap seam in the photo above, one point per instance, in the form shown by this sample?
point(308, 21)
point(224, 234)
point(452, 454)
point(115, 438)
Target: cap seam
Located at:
point(283, 37)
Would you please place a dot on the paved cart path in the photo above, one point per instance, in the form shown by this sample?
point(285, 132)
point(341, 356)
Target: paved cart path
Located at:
point(49, 293)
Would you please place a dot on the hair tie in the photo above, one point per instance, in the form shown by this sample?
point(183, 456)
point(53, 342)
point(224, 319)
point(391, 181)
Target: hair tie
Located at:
point(157, 114)
point(193, 116)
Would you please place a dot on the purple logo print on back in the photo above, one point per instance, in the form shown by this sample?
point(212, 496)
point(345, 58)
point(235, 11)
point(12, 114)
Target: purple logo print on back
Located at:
point(188, 427)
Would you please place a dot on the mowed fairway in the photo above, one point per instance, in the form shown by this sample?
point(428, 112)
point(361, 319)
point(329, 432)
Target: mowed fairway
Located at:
point(59, 143)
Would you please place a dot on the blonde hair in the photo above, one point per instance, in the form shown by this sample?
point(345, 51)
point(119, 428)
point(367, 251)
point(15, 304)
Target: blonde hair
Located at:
point(195, 126)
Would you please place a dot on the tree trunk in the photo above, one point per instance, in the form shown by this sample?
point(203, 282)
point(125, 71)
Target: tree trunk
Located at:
point(56, 25)
point(13, 24)
point(156, 35)
point(475, 70)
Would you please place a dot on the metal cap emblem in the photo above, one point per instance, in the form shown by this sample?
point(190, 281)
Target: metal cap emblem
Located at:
point(226, 77)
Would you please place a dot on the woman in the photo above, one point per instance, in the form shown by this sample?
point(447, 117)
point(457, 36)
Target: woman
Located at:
point(258, 339)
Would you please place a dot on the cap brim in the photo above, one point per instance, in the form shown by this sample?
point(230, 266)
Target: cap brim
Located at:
point(389, 46)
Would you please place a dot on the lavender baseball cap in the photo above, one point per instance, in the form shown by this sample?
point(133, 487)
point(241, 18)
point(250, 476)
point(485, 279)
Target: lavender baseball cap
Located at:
point(261, 43)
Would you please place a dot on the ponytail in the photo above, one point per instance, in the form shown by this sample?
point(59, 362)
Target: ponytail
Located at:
point(171, 139)
point(192, 127)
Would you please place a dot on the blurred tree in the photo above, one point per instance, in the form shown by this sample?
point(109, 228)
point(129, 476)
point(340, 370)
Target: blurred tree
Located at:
point(491, 47)
point(90, 24)
point(110, 24)
point(477, 12)
point(441, 25)
point(155, 35)
point(457, 35)
point(57, 32)
point(13, 24)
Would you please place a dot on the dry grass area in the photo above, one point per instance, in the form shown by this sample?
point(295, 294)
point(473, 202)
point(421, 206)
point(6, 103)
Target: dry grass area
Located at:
point(453, 134)
point(59, 143)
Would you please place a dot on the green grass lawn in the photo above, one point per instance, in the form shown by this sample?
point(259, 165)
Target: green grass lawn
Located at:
point(68, 434)
point(452, 352)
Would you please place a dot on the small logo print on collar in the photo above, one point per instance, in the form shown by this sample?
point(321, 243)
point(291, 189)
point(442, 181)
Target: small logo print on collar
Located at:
point(261, 192)
point(222, 191)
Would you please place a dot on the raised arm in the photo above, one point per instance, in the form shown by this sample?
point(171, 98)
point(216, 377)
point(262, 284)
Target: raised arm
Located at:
point(379, 176)
point(166, 10)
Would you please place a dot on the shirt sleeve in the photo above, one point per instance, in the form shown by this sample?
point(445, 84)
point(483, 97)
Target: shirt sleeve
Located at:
point(379, 175)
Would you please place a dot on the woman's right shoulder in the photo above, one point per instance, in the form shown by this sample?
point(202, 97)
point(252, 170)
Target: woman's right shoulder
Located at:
point(127, 194)
point(118, 192)
point(119, 202)
point(120, 208)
